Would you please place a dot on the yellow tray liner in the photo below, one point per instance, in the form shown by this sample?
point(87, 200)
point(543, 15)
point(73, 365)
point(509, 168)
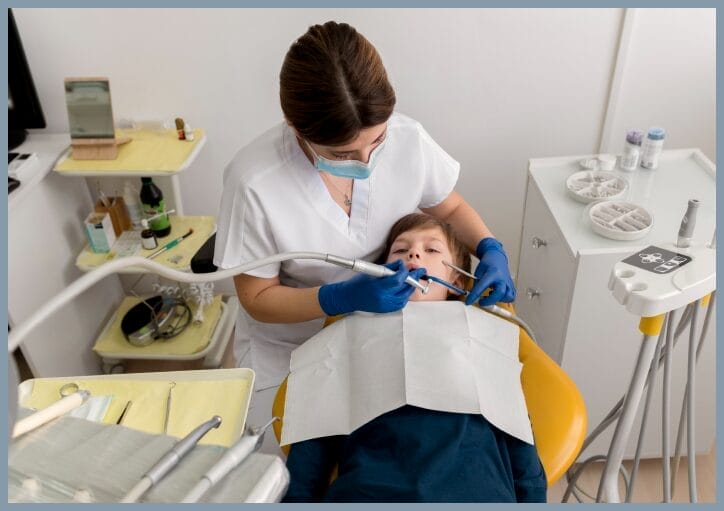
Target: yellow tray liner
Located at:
point(203, 227)
point(192, 340)
point(192, 403)
point(148, 150)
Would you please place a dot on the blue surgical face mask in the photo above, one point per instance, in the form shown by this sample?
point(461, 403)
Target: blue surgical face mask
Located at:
point(347, 168)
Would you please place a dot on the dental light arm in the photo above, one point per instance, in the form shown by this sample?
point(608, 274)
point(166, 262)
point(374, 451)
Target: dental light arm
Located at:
point(18, 334)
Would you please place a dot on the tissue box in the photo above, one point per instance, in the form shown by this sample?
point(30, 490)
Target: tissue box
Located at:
point(99, 229)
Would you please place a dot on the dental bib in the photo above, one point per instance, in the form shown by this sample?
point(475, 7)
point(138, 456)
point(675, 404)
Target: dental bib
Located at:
point(441, 356)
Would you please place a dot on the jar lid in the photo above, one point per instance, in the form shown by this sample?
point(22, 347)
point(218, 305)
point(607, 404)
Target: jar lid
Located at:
point(656, 133)
point(635, 136)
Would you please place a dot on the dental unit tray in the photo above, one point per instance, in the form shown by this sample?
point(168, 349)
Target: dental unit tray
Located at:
point(588, 186)
point(620, 220)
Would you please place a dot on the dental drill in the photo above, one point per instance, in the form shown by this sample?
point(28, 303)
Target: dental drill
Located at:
point(375, 270)
point(686, 230)
point(169, 460)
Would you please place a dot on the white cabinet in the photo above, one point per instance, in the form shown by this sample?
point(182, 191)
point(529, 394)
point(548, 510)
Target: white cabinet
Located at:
point(45, 229)
point(563, 291)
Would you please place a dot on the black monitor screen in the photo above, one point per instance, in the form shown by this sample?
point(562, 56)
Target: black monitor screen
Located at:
point(24, 110)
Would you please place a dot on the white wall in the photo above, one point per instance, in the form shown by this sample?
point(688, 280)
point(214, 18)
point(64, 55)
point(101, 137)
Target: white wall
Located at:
point(493, 86)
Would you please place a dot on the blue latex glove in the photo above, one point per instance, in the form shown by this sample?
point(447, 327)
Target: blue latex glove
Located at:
point(492, 271)
point(370, 294)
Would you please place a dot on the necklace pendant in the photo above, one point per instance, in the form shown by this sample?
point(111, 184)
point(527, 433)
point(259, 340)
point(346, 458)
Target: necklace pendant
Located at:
point(347, 201)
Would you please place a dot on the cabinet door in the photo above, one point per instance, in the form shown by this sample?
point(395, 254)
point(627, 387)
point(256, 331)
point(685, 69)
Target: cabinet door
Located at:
point(545, 275)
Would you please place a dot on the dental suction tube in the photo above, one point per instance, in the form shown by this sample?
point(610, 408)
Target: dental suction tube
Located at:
point(686, 230)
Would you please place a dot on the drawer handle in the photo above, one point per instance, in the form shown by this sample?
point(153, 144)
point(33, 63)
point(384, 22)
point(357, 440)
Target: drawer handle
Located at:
point(537, 242)
point(532, 293)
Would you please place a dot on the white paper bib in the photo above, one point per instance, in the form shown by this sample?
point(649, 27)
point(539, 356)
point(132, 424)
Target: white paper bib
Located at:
point(441, 356)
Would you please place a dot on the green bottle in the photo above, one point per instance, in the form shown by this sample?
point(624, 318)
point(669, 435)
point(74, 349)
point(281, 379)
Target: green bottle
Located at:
point(153, 204)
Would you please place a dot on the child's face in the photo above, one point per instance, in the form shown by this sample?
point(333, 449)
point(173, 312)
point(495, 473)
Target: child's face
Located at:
point(425, 248)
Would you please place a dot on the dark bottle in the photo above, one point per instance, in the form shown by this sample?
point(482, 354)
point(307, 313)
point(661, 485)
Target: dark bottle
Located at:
point(153, 204)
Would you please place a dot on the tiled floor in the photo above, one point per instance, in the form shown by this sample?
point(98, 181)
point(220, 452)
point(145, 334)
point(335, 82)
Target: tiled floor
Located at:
point(649, 481)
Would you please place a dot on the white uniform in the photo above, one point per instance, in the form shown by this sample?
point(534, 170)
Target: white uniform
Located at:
point(275, 201)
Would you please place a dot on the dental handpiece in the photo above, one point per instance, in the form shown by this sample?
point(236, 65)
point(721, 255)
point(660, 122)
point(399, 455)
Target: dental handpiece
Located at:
point(375, 270)
point(686, 230)
point(169, 460)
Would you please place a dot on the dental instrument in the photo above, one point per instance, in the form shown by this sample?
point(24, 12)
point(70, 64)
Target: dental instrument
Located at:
point(124, 412)
point(459, 270)
point(237, 453)
point(169, 460)
point(375, 270)
point(45, 415)
point(168, 408)
point(686, 230)
point(171, 244)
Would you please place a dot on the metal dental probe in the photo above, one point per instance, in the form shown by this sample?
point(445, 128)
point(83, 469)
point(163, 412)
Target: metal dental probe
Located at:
point(168, 408)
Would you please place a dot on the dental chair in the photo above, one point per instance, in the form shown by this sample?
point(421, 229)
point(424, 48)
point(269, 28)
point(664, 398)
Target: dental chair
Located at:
point(555, 406)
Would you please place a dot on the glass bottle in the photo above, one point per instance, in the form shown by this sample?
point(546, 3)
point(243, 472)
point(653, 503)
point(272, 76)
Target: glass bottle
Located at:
point(153, 204)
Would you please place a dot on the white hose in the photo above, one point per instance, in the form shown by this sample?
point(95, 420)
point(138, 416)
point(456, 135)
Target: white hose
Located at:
point(18, 334)
point(141, 487)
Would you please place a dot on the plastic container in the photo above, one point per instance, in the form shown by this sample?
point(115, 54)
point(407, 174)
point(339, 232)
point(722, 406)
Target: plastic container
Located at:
point(130, 198)
point(651, 148)
point(154, 204)
point(632, 150)
point(618, 220)
point(589, 185)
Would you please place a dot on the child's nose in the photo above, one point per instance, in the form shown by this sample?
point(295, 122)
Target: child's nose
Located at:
point(413, 254)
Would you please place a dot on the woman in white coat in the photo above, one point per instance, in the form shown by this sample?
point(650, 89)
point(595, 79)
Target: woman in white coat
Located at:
point(333, 178)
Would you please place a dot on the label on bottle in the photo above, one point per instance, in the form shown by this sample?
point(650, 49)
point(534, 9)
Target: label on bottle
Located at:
point(160, 223)
point(630, 157)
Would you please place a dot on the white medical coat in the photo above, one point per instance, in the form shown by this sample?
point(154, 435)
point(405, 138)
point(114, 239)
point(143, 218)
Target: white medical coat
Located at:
point(275, 201)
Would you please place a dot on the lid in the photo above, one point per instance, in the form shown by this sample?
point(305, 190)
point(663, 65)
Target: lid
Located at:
point(588, 186)
point(145, 180)
point(656, 134)
point(635, 136)
point(620, 220)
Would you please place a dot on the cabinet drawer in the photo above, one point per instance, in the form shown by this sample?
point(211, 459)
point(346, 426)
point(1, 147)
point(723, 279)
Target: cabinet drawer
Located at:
point(545, 275)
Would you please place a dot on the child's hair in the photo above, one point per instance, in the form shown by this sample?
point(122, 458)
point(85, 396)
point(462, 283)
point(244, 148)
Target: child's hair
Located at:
point(416, 221)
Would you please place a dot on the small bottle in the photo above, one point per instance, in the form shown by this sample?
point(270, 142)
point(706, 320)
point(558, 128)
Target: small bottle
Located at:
point(632, 150)
point(188, 132)
point(148, 239)
point(130, 198)
point(651, 148)
point(153, 204)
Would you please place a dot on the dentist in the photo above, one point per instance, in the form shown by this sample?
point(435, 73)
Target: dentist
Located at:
point(333, 178)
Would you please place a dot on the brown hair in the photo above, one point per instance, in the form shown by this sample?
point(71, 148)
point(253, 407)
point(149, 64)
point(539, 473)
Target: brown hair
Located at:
point(416, 221)
point(333, 84)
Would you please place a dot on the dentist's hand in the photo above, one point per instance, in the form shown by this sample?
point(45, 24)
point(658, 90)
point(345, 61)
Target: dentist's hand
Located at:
point(370, 294)
point(492, 271)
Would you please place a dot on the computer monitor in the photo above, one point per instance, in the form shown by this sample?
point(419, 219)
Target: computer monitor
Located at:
point(24, 110)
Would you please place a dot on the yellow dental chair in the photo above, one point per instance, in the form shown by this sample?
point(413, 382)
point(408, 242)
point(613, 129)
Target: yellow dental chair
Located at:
point(555, 406)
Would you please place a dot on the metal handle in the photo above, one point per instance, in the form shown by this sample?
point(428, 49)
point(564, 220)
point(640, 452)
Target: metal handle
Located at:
point(537, 242)
point(532, 293)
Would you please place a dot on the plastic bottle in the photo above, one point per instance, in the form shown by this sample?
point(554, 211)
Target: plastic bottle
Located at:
point(651, 148)
point(632, 150)
point(188, 132)
point(130, 198)
point(153, 204)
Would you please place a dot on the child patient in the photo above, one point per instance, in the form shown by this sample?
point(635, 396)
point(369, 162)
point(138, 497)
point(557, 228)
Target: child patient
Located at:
point(413, 454)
